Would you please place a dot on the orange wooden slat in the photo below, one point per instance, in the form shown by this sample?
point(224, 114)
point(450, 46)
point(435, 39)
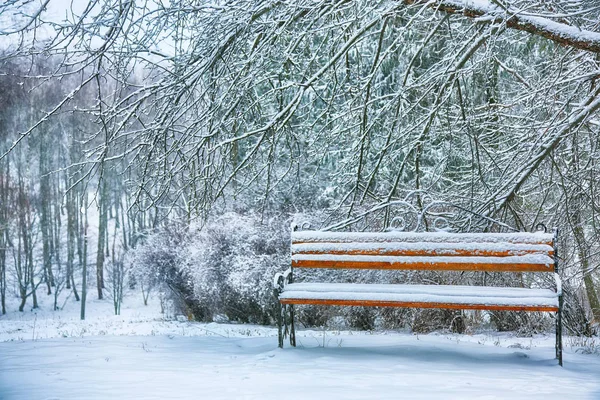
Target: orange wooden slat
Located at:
point(429, 252)
point(423, 266)
point(453, 306)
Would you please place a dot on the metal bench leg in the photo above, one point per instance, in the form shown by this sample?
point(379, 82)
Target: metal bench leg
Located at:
point(284, 317)
point(559, 331)
point(292, 327)
point(280, 317)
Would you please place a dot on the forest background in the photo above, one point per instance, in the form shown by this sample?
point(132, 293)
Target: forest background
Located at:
point(167, 146)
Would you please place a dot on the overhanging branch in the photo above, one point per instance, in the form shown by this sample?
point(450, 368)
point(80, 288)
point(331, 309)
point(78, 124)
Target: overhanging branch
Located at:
point(485, 11)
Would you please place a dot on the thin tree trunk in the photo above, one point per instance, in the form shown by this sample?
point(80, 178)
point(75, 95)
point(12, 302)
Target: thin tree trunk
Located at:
point(57, 230)
point(45, 218)
point(30, 263)
point(71, 237)
point(102, 222)
point(3, 270)
point(84, 258)
point(2, 274)
point(21, 272)
point(3, 234)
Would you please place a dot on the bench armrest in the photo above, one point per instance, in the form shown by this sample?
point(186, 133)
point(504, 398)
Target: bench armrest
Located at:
point(558, 284)
point(281, 279)
point(278, 281)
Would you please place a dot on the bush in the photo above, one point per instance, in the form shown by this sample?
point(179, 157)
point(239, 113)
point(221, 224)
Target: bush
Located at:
point(157, 264)
point(224, 267)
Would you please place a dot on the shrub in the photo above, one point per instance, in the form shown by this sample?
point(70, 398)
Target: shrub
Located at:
point(224, 267)
point(157, 264)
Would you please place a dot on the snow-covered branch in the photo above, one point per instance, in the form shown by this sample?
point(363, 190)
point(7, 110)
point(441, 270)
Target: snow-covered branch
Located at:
point(541, 25)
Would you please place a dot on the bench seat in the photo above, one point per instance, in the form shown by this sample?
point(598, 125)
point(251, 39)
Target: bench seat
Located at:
point(421, 296)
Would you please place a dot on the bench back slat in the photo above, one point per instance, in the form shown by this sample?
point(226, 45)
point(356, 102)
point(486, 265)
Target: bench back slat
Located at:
point(420, 249)
point(432, 237)
point(516, 252)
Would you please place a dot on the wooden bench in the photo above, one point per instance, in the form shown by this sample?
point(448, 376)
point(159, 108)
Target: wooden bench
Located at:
point(487, 252)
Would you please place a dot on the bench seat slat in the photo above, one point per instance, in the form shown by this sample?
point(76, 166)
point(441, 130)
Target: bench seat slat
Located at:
point(429, 296)
point(528, 262)
point(413, 304)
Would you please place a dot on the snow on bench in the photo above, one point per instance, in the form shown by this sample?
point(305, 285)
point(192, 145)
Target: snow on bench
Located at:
point(424, 251)
point(436, 296)
point(431, 237)
point(497, 252)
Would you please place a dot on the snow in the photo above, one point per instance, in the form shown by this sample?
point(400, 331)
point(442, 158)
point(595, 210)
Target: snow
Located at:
point(336, 365)
point(339, 365)
point(445, 290)
point(443, 247)
point(141, 355)
point(476, 295)
point(433, 237)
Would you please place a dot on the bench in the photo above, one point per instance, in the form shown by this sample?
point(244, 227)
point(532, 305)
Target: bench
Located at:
point(421, 251)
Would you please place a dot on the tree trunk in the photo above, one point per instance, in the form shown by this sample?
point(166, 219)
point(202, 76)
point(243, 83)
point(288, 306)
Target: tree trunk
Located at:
point(45, 218)
point(2, 272)
point(3, 234)
point(19, 269)
point(72, 212)
point(84, 258)
point(30, 263)
point(60, 277)
point(102, 222)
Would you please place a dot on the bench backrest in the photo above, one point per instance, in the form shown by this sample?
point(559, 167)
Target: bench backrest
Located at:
point(517, 252)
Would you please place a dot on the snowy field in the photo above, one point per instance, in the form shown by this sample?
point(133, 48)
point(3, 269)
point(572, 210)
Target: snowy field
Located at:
point(139, 355)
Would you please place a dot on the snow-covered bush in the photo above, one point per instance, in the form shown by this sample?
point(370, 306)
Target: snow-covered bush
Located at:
point(159, 264)
point(233, 259)
point(224, 267)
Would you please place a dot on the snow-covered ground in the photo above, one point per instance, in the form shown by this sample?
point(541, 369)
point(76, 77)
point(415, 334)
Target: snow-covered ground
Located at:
point(139, 355)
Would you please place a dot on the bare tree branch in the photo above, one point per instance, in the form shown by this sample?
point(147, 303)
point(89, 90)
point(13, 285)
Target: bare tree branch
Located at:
point(482, 11)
